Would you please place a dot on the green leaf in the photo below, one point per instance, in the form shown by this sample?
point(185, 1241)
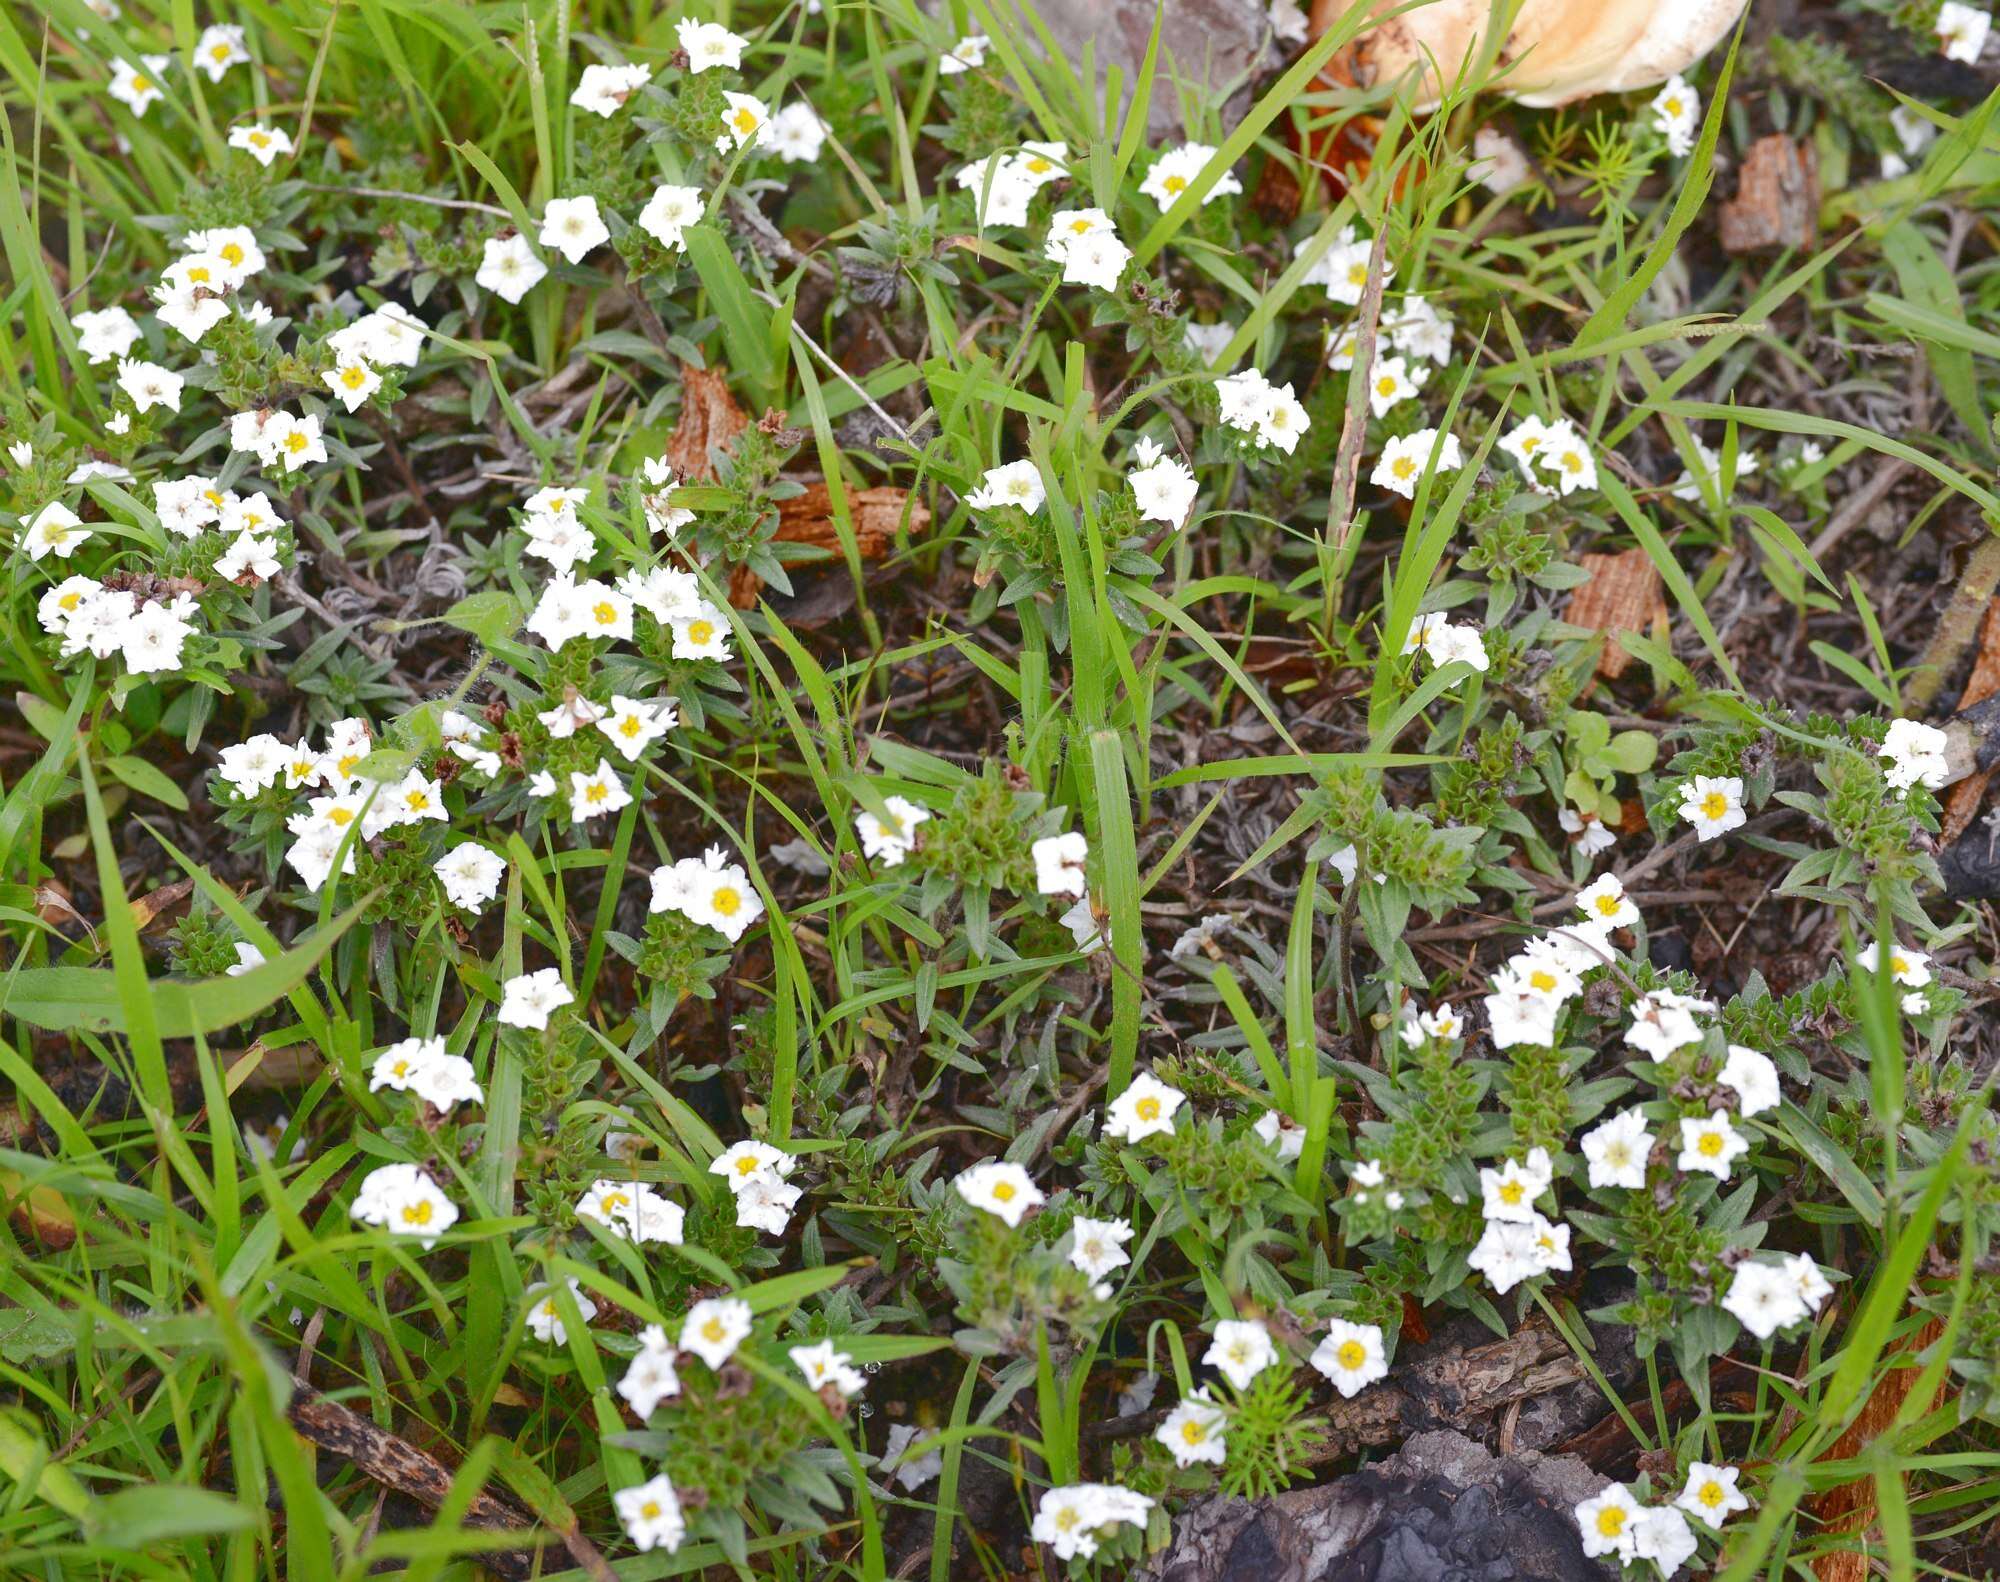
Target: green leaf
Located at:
point(148, 780)
point(134, 1518)
point(73, 999)
point(746, 326)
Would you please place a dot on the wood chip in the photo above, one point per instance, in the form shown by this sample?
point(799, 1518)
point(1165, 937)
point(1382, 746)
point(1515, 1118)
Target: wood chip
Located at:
point(1850, 1507)
point(1622, 595)
point(1961, 805)
point(710, 421)
point(1777, 198)
point(808, 519)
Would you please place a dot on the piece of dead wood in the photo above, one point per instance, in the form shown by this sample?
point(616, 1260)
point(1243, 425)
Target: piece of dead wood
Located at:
point(1777, 198)
point(417, 1474)
point(807, 518)
point(1850, 1507)
point(710, 421)
point(1963, 804)
point(1622, 595)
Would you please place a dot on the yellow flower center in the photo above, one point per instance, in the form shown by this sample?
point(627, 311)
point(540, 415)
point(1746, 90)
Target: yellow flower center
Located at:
point(1710, 1144)
point(1402, 467)
point(1175, 183)
point(346, 762)
point(604, 612)
point(417, 801)
point(354, 378)
point(69, 601)
point(1672, 107)
point(198, 273)
point(1385, 386)
point(650, 1510)
point(340, 817)
point(630, 726)
point(1898, 966)
point(596, 793)
point(1607, 904)
point(745, 121)
point(1192, 1432)
point(1714, 805)
point(1572, 462)
point(417, 1213)
point(400, 1069)
point(258, 140)
point(747, 1165)
point(218, 53)
point(616, 1200)
point(296, 443)
point(727, 900)
point(1148, 1109)
point(713, 1331)
point(231, 253)
point(1038, 166)
point(1003, 1192)
point(141, 83)
point(1357, 274)
point(1710, 1494)
point(1542, 980)
point(1510, 1192)
point(1611, 1521)
point(1351, 1355)
point(700, 632)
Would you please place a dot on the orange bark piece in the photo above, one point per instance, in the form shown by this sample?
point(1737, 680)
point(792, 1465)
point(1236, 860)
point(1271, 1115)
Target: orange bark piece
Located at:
point(1622, 595)
point(1961, 804)
point(1850, 1507)
point(710, 420)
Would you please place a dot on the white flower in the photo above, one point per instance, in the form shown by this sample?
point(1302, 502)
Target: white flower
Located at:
point(1616, 1150)
point(1518, 1014)
point(528, 1001)
point(261, 143)
point(1419, 329)
point(1175, 170)
point(715, 1328)
point(248, 959)
point(59, 606)
point(508, 267)
point(1710, 1145)
point(765, 1203)
point(889, 840)
point(1343, 269)
point(1754, 1078)
point(397, 1066)
point(1059, 861)
point(1713, 804)
point(702, 635)
point(1910, 968)
point(1001, 192)
point(1710, 1494)
point(597, 793)
point(1281, 419)
point(1509, 1193)
point(797, 133)
point(968, 54)
point(662, 515)
point(710, 44)
point(1763, 1298)
point(1242, 1349)
point(1090, 252)
point(714, 891)
point(1508, 1253)
point(1069, 1519)
point(1196, 938)
point(135, 88)
point(1097, 1246)
point(1208, 341)
point(1812, 1286)
point(1352, 1356)
point(1145, 1109)
point(1961, 30)
point(1163, 486)
point(1916, 754)
point(633, 1210)
point(826, 1368)
point(405, 1202)
point(650, 1378)
point(1606, 1521)
point(746, 121)
point(1389, 385)
point(1524, 442)
point(103, 334)
point(1564, 453)
point(902, 1459)
point(572, 226)
point(1606, 903)
point(603, 90)
point(149, 385)
point(651, 1512)
point(1661, 1023)
point(154, 635)
point(471, 875)
point(1017, 483)
point(55, 530)
point(747, 1161)
point(633, 724)
point(1677, 116)
point(1280, 1133)
point(1242, 398)
point(1405, 458)
point(352, 383)
point(1195, 1431)
point(219, 47)
point(1662, 1535)
point(999, 1188)
point(295, 440)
